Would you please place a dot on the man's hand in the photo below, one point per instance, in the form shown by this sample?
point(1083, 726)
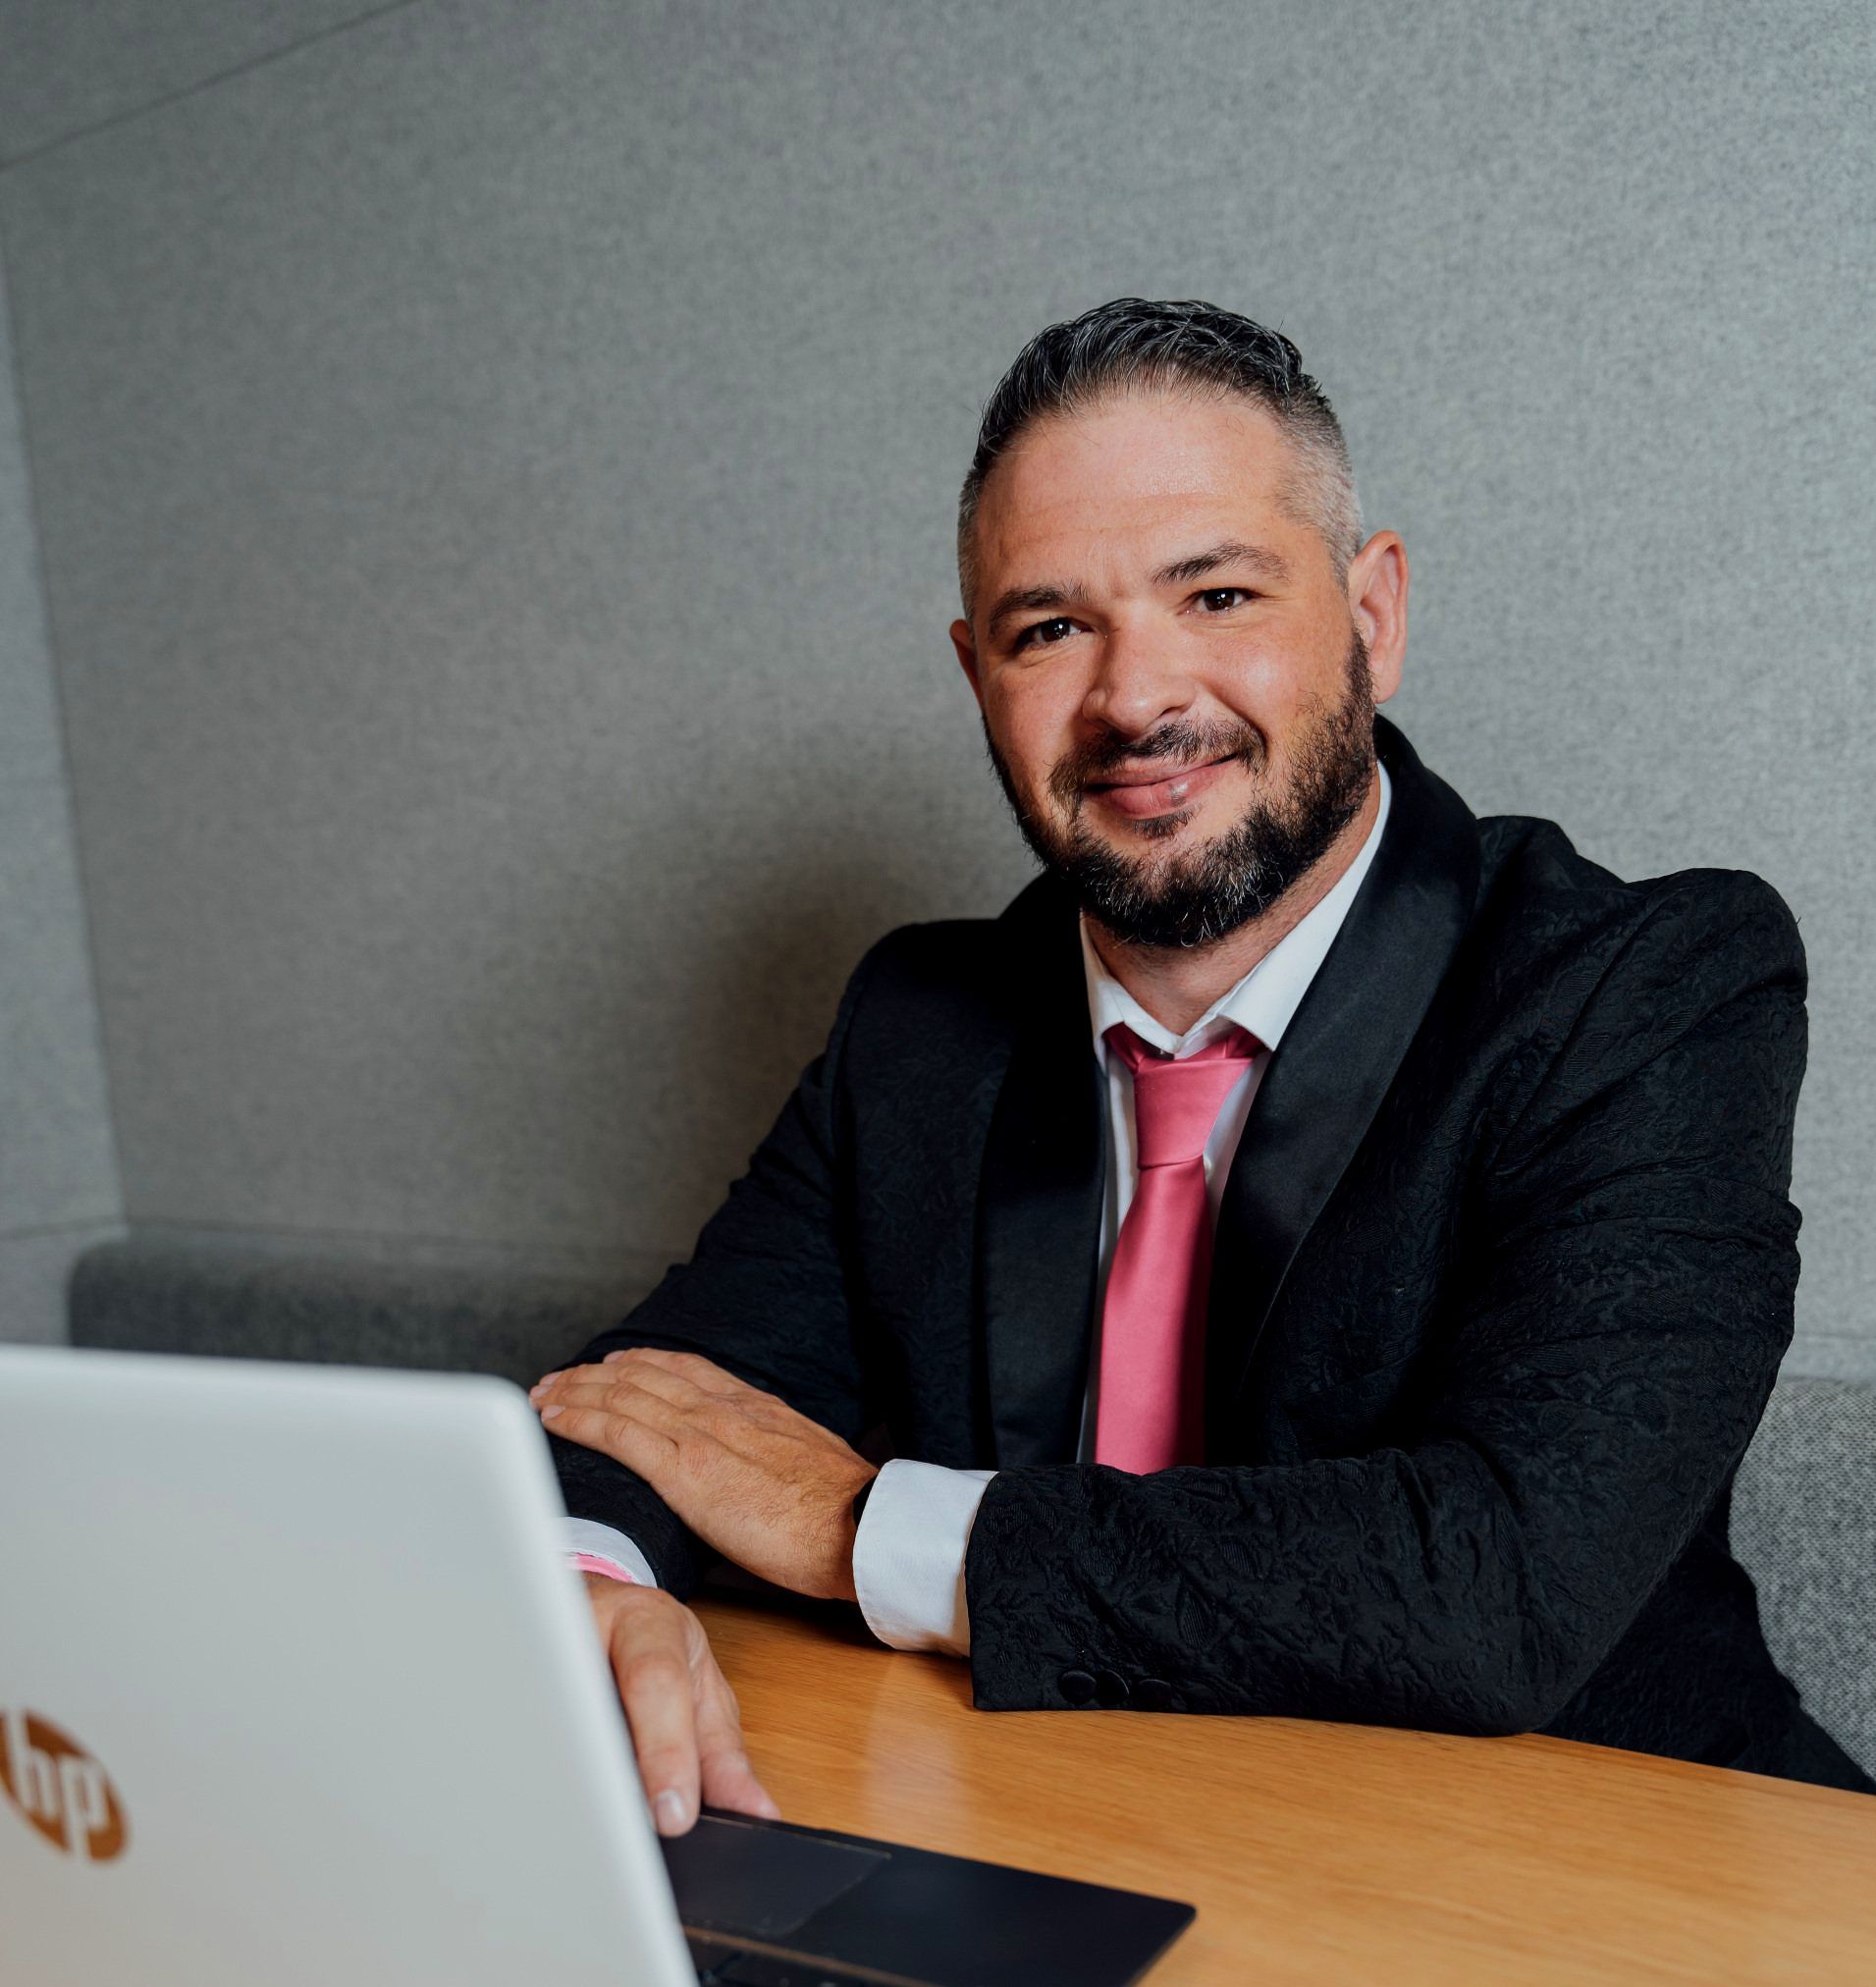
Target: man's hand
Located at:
point(686, 1730)
point(752, 1478)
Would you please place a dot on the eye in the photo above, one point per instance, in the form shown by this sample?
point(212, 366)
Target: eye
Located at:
point(1219, 599)
point(1038, 632)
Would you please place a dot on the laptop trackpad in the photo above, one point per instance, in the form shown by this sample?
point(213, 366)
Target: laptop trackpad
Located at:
point(740, 1877)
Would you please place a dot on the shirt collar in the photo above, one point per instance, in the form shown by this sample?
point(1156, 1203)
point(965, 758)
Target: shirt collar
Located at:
point(1267, 995)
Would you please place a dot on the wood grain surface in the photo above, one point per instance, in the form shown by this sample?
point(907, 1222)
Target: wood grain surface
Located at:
point(1318, 1852)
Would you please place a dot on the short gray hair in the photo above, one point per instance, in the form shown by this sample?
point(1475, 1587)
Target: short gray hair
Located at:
point(1131, 343)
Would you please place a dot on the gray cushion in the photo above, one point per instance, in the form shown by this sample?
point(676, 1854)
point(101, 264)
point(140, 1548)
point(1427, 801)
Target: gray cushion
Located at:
point(1804, 1528)
point(156, 1294)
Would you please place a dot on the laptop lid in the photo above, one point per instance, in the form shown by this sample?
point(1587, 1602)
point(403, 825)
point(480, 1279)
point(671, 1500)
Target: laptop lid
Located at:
point(295, 1686)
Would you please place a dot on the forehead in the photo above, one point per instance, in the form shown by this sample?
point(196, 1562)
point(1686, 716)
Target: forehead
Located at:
point(1122, 479)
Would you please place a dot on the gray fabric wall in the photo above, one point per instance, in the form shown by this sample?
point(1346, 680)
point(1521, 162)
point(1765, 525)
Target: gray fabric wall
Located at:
point(495, 458)
point(57, 1173)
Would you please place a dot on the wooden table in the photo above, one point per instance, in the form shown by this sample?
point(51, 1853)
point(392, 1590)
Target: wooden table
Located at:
point(1319, 1852)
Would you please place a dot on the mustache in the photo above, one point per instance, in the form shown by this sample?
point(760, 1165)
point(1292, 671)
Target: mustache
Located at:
point(1184, 744)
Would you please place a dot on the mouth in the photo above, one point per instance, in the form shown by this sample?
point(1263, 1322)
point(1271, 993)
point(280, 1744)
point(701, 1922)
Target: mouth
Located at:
point(1149, 791)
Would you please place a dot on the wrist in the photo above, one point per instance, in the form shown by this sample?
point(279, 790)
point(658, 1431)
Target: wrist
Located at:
point(857, 1510)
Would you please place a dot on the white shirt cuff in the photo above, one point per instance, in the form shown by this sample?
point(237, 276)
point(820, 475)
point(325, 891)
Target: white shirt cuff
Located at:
point(586, 1534)
point(908, 1555)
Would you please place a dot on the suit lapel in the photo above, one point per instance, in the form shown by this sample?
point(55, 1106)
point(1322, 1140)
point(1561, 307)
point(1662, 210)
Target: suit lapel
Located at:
point(1040, 1203)
point(1338, 1057)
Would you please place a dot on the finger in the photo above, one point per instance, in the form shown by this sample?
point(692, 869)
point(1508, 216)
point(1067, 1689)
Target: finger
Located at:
point(692, 1384)
point(728, 1779)
point(596, 1383)
point(599, 1375)
point(627, 1400)
point(664, 1381)
point(703, 1374)
point(702, 1429)
point(647, 1452)
point(654, 1686)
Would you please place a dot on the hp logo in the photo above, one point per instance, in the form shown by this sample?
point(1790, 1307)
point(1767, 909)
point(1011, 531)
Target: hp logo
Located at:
point(59, 1788)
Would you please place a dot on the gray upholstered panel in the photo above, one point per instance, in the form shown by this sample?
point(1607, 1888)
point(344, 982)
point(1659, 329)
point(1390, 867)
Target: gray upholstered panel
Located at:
point(1804, 1528)
point(35, 1272)
point(58, 1172)
point(159, 1294)
point(55, 1140)
point(497, 466)
point(66, 65)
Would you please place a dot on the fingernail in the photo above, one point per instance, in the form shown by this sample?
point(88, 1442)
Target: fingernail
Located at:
point(670, 1810)
point(611, 1357)
point(548, 1414)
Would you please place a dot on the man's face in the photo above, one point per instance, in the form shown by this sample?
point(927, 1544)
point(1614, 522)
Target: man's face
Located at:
point(1177, 690)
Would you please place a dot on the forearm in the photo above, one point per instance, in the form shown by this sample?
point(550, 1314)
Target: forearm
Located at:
point(1383, 1589)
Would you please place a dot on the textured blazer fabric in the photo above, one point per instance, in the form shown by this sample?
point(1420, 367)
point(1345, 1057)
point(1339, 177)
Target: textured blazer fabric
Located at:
point(1503, 1275)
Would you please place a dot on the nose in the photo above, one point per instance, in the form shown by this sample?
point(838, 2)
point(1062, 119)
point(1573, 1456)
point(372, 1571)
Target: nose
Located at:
point(1139, 682)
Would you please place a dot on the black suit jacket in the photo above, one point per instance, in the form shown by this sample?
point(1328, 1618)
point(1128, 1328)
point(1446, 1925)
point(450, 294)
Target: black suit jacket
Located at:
point(1503, 1275)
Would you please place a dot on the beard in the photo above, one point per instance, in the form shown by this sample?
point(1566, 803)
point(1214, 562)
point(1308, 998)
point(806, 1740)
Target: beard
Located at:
point(1201, 895)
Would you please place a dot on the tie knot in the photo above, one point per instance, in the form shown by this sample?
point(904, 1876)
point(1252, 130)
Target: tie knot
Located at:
point(1176, 1101)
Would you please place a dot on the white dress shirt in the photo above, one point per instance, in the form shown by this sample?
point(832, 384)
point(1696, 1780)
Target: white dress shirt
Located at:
point(908, 1557)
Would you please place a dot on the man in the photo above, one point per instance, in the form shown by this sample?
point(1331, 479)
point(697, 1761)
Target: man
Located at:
point(1316, 1253)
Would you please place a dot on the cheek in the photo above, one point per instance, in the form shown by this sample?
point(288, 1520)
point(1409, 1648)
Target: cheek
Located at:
point(1033, 719)
point(1271, 686)
point(1254, 667)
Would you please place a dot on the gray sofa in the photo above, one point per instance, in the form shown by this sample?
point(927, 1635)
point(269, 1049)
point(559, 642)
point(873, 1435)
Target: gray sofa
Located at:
point(1804, 1506)
point(155, 1293)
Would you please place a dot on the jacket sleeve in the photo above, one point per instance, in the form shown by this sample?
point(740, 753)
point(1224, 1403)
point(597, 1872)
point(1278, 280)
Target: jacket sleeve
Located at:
point(764, 1295)
point(1614, 1336)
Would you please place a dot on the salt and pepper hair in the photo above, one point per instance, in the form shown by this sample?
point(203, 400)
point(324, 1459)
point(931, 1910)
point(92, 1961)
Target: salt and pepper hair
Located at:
point(1130, 344)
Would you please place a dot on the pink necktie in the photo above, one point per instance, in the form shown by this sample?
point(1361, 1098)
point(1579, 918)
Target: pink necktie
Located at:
point(1150, 1408)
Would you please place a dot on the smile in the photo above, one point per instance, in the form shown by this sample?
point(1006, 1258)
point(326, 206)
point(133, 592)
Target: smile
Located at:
point(1144, 794)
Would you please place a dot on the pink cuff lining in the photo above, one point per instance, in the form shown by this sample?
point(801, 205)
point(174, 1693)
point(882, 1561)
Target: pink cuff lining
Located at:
point(591, 1562)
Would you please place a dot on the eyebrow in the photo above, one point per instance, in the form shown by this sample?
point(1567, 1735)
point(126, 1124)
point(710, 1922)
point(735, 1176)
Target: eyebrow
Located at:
point(1067, 593)
point(1233, 551)
point(1031, 599)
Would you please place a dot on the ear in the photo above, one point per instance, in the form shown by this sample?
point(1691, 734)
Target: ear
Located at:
point(1377, 606)
point(965, 643)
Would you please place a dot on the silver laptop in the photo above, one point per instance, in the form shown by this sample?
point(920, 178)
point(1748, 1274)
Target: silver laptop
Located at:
point(295, 1687)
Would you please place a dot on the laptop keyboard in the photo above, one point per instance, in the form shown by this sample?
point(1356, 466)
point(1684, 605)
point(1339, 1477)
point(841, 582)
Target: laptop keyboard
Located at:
point(719, 1966)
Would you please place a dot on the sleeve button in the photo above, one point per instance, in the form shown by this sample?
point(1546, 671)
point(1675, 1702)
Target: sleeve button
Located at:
point(1110, 1689)
point(1151, 1694)
point(1078, 1687)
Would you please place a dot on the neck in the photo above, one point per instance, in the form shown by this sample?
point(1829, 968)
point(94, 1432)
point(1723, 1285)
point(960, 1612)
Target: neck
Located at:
point(1176, 984)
